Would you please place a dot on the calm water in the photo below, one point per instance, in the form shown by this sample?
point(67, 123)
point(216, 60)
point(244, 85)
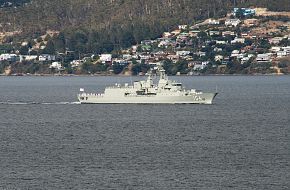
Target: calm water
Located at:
point(49, 142)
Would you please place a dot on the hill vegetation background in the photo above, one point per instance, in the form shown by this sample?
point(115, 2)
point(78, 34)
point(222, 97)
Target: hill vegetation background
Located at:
point(104, 25)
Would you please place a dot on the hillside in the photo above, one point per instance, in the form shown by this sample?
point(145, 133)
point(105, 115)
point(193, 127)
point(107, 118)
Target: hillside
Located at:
point(104, 25)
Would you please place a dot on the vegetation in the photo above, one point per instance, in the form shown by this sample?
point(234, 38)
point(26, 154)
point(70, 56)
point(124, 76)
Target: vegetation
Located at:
point(97, 26)
point(81, 29)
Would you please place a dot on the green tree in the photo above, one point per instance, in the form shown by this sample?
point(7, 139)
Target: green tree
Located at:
point(49, 48)
point(23, 50)
point(117, 68)
point(59, 42)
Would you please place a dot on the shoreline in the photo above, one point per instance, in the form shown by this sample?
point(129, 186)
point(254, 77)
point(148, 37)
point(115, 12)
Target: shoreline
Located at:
point(121, 75)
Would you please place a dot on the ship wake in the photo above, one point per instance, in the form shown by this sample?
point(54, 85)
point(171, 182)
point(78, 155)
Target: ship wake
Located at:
point(38, 103)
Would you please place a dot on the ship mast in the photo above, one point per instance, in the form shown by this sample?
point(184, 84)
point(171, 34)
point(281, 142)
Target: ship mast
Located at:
point(163, 77)
point(149, 82)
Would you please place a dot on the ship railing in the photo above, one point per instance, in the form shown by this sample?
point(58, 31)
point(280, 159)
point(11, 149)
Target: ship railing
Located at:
point(115, 87)
point(91, 94)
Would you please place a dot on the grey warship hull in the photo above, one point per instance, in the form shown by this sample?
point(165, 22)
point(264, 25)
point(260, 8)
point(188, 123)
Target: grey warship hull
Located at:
point(146, 92)
point(204, 98)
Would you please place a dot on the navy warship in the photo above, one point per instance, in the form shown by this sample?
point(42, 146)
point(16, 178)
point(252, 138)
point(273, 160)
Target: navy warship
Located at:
point(146, 92)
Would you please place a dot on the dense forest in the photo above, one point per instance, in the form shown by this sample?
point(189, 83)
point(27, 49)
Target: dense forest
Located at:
point(94, 26)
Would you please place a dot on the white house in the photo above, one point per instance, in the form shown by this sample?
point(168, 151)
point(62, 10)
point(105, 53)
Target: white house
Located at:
point(200, 66)
point(24, 43)
point(201, 53)
point(166, 34)
point(275, 48)
point(232, 22)
point(104, 58)
point(235, 53)
point(165, 43)
point(228, 33)
point(28, 57)
point(238, 40)
point(145, 57)
point(134, 48)
point(275, 40)
point(172, 57)
point(213, 22)
point(214, 33)
point(220, 42)
point(245, 59)
point(240, 56)
point(218, 58)
point(127, 56)
point(55, 65)
point(8, 57)
point(183, 36)
point(182, 27)
point(287, 49)
point(182, 53)
point(46, 57)
point(76, 63)
point(281, 54)
point(217, 49)
point(261, 58)
point(119, 61)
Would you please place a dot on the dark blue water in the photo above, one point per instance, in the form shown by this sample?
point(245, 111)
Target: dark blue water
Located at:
point(47, 141)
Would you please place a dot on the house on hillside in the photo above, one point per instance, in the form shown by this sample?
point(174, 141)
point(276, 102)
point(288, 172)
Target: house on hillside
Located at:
point(173, 57)
point(183, 53)
point(214, 33)
point(263, 58)
point(235, 53)
point(182, 27)
point(8, 57)
point(244, 60)
point(286, 49)
point(281, 54)
point(46, 57)
point(28, 58)
point(275, 40)
point(175, 32)
point(228, 33)
point(244, 12)
point(56, 65)
point(238, 40)
point(201, 54)
point(220, 42)
point(183, 36)
point(218, 58)
point(76, 63)
point(147, 42)
point(232, 22)
point(127, 57)
point(216, 49)
point(106, 58)
point(200, 66)
point(251, 22)
point(166, 43)
point(193, 33)
point(275, 49)
point(213, 22)
point(166, 34)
